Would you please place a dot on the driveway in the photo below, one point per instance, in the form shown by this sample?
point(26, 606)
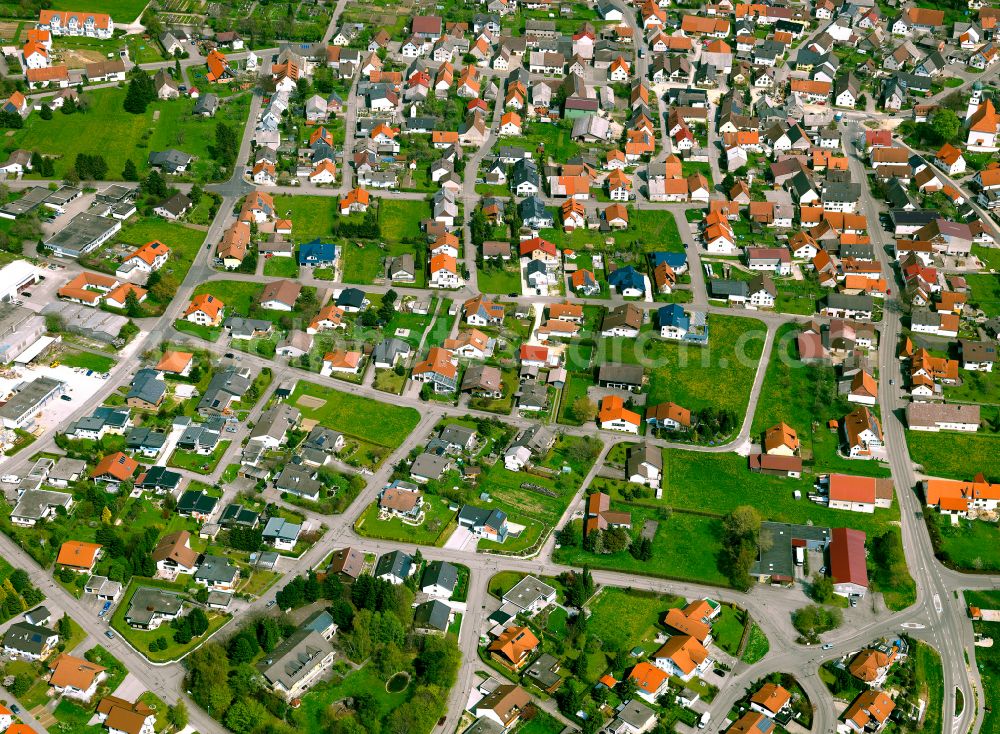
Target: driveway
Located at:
point(130, 689)
point(461, 540)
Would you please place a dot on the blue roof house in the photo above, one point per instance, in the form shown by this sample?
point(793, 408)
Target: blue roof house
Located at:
point(317, 253)
point(628, 281)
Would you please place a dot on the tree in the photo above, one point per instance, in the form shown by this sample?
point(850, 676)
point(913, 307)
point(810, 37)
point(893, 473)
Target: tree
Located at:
point(227, 145)
point(141, 92)
point(567, 536)
point(198, 622)
point(132, 306)
point(583, 409)
point(946, 124)
point(822, 588)
point(65, 627)
point(245, 715)
point(813, 620)
point(154, 185)
point(268, 634)
point(741, 531)
point(11, 119)
point(242, 648)
point(177, 715)
point(129, 172)
point(46, 112)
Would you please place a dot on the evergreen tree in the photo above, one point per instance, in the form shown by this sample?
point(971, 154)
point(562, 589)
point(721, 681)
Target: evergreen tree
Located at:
point(46, 112)
point(141, 92)
point(129, 172)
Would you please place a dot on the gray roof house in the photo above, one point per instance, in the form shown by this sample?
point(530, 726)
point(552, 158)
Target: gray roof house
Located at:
point(29, 641)
point(299, 481)
point(297, 662)
point(439, 579)
point(274, 424)
point(389, 351)
point(427, 467)
point(394, 567)
point(149, 607)
point(216, 572)
point(226, 387)
point(432, 616)
point(36, 505)
point(320, 445)
point(170, 161)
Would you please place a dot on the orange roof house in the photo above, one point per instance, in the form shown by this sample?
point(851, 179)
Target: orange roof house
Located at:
point(689, 625)
point(613, 410)
point(75, 674)
point(175, 362)
point(770, 698)
point(356, 200)
point(233, 246)
point(649, 679)
point(684, 653)
point(781, 439)
point(218, 67)
point(118, 467)
point(869, 711)
point(208, 305)
point(78, 555)
point(513, 647)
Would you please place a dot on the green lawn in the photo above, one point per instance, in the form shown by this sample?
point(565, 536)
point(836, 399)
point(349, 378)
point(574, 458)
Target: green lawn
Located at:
point(930, 684)
point(721, 482)
point(399, 219)
point(281, 267)
point(107, 129)
point(237, 295)
point(555, 138)
point(438, 523)
point(961, 456)
point(541, 723)
point(727, 629)
point(757, 646)
point(977, 387)
point(87, 361)
point(314, 713)
point(367, 419)
point(623, 619)
point(805, 397)
point(577, 384)
point(499, 280)
point(968, 542)
point(990, 256)
point(719, 376)
point(140, 639)
point(312, 216)
point(685, 547)
point(196, 462)
point(121, 11)
point(988, 661)
point(985, 292)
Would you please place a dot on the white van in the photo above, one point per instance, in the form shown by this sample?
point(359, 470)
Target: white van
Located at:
point(703, 721)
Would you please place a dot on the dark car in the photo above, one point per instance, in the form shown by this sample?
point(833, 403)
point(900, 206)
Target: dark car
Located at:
point(65, 397)
point(720, 673)
point(512, 295)
point(228, 355)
